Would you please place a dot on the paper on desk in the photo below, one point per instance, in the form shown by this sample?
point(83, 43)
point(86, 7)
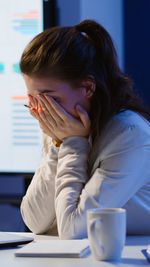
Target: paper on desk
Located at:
point(55, 248)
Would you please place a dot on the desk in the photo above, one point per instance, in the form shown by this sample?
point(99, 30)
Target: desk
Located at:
point(132, 256)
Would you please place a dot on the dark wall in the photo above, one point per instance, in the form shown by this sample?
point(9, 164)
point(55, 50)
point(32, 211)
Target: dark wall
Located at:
point(137, 44)
point(11, 190)
point(68, 12)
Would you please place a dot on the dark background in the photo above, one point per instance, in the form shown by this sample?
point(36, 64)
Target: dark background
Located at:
point(137, 44)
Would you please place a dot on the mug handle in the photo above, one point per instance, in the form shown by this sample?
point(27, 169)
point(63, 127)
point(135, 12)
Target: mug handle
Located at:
point(97, 223)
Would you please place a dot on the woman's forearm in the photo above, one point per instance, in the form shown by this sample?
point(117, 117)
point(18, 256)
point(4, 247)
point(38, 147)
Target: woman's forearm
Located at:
point(37, 206)
point(70, 180)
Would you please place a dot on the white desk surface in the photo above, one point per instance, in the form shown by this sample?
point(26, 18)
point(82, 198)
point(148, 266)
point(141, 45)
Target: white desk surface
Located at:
point(132, 256)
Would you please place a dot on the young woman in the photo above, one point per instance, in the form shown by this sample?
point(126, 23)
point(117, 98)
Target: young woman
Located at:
point(96, 133)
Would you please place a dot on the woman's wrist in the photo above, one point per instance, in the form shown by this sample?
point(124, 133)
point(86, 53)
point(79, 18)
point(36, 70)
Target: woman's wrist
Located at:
point(56, 143)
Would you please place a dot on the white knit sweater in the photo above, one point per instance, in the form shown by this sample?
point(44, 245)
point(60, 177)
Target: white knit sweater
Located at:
point(113, 172)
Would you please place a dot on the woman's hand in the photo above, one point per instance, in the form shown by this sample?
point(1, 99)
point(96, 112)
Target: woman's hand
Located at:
point(55, 120)
point(34, 111)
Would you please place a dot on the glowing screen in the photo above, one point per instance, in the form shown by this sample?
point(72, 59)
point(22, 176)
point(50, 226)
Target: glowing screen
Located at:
point(20, 136)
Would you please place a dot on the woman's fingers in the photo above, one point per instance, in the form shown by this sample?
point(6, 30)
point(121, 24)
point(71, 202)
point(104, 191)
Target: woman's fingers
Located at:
point(46, 130)
point(34, 113)
point(57, 109)
point(51, 111)
point(45, 127)
point(39, 111)
point(46, 116)
point(32, 101)
point(83, 116)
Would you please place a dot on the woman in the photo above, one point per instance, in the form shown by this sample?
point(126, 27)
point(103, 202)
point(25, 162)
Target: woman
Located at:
point(96, 133)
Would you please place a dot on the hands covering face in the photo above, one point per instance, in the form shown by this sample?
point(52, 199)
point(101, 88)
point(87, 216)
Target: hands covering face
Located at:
point(55, 121)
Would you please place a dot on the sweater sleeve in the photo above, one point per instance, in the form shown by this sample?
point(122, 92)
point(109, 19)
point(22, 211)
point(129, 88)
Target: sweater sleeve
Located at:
point(117, 178)
point(37, 207)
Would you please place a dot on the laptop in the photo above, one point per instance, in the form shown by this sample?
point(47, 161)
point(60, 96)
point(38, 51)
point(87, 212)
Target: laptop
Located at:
point(13, 240)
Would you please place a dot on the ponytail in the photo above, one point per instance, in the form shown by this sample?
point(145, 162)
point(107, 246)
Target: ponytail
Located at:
point(105, 65)
point(99, 37)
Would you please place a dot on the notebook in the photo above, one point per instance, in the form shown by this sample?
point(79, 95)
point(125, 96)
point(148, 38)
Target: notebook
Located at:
point(55, 248)
point(12, 240)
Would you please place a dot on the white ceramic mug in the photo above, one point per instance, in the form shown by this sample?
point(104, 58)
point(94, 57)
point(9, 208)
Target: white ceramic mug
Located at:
point(106, 232)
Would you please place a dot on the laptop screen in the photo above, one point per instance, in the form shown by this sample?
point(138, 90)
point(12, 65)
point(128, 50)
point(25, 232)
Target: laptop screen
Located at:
point(11, 239)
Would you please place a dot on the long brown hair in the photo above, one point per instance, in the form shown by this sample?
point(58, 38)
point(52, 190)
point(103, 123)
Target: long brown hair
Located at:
point(74, 53)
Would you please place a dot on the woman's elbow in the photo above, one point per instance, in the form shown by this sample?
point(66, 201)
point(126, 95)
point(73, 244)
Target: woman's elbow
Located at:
point(30, 219)
point(69, 230)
